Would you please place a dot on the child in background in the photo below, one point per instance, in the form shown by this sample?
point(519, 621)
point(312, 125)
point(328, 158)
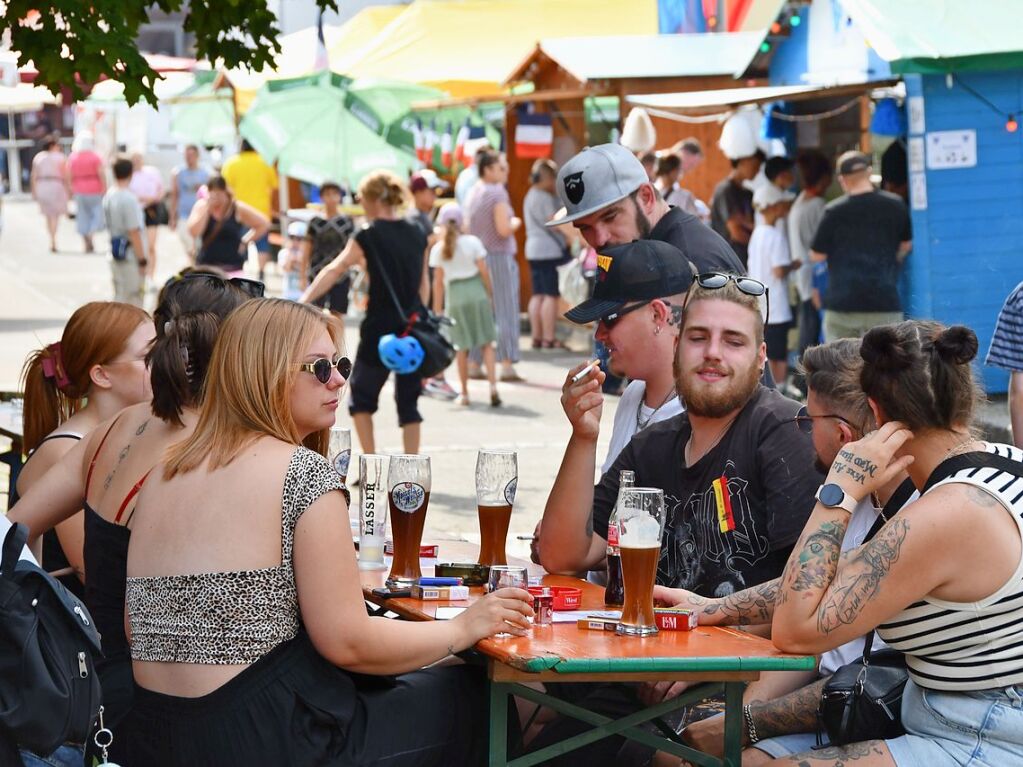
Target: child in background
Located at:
point(770, 263)
point(461, 286)
point(290, 260)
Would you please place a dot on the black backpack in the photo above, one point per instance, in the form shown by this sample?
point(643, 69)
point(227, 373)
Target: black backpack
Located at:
point(49, 690)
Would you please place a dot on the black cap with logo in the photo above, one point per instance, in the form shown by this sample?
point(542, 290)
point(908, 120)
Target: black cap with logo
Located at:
point(641, 270)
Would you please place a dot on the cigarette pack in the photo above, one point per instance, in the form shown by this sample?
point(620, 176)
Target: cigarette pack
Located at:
point(597, 624)
point(448, 593)
point(675, 618)
point(426, 551)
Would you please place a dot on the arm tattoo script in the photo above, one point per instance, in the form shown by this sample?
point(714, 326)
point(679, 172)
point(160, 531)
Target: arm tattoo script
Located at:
point(789, 714)
point(860, 580)
point(856, 467)
point(752, 606)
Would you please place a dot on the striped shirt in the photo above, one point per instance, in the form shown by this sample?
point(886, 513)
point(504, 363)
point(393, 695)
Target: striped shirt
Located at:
point(1006, 350)
point(969, 646)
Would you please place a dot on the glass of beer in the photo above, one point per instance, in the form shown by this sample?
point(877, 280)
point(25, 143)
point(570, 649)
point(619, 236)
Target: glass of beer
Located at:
point(339, 451)
point(372, 511)
point(408, 483)
point(640, 525)
point(497, 476)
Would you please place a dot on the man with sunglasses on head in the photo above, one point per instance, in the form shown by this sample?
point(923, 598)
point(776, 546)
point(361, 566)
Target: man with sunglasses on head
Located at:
point(738, 480)
point(609, 198)
point(781, 707)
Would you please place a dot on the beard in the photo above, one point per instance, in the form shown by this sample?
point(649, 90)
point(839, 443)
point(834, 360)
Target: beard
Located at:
point(717, 402)
point(642, 222)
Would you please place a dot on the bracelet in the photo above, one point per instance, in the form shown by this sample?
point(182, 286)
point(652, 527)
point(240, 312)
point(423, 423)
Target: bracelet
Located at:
point(751, 729)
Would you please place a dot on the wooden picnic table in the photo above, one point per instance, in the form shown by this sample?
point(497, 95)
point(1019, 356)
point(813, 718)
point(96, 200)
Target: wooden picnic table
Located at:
point(717, 660)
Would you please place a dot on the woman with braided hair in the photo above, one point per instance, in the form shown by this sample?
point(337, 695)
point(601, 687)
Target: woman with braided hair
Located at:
point(104, 472)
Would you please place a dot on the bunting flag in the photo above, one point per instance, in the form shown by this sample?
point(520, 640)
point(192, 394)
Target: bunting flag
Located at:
point(463, 136)
point(534, 135)
point(419, 140)
point(726, 522)
point(430, 141)
point(446, 147)
point(322, 60)
point(476, 140)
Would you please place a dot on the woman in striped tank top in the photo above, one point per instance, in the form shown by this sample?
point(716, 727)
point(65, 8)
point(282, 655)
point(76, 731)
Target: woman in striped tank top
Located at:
point(943, 580)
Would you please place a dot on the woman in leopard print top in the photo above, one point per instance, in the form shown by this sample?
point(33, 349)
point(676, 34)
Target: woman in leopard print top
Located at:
point(244, 597)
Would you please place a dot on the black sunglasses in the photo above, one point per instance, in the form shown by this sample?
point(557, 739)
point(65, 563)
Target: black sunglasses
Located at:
point(749, 286)
point(323, 368)
point(610, 320)
point(251, 288)
point(804, 420)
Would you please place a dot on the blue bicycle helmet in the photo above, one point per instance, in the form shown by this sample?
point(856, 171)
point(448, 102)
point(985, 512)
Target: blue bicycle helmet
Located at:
point(402, 354)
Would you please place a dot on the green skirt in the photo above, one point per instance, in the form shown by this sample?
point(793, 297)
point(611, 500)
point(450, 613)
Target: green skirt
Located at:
point(468, 305)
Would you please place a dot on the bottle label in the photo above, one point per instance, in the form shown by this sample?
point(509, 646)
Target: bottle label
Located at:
point(408, 497)
point(341, 462)
point(612, 539)
point(509, 490)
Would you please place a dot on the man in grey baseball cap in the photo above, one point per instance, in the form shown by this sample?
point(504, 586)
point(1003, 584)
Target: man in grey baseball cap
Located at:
point(610, 200)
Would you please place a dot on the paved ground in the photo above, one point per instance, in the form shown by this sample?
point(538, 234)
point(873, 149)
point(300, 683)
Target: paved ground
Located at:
point(39, 290)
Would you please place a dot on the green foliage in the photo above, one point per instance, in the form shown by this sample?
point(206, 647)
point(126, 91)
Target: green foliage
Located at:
point(96, 38)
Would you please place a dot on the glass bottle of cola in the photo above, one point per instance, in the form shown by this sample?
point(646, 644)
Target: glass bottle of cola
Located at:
point(614, 593)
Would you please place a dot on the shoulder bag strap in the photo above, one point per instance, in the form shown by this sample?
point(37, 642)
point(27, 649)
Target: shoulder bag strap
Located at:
point(387, 280)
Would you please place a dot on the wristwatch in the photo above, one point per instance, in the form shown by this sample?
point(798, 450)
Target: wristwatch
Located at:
point(834, 497)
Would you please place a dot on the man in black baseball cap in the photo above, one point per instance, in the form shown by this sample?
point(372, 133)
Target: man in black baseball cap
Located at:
point(608, 197)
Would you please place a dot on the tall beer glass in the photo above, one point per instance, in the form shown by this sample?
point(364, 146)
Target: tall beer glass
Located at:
point(640, 525)
point(373, 506)
point(408, 481)
point(497, 476)
point(339, 450)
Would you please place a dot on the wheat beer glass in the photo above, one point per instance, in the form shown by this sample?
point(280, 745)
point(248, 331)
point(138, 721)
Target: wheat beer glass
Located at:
point(640, 525)
point(339, 450)
point(373, 506)
point(408, 481)
point(497, 476)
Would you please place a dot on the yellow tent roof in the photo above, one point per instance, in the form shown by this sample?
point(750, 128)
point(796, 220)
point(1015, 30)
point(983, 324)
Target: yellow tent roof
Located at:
point(468, 47)
point(359, 31)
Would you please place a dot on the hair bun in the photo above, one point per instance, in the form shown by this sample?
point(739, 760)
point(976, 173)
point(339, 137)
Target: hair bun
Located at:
point(882, 350)
point(957, 344)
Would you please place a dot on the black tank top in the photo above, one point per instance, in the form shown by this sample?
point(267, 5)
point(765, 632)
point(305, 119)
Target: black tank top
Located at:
point(106, 568)
point(220, 245)
point(53, 555)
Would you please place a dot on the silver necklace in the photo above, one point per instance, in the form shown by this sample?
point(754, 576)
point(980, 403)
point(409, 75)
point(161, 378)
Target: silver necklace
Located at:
point(640, 423)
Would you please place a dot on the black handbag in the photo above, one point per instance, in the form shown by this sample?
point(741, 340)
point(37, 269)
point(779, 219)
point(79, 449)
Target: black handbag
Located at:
point(49, 690)
point(863, 699)
point(424, 326)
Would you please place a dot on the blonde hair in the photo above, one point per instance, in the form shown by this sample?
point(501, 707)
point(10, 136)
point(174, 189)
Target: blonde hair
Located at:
point(731, 293)
point(383, 187)
point(254, 365)
point(451, 234)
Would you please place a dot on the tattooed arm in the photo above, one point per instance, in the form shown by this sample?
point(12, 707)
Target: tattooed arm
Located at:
point(750, 607)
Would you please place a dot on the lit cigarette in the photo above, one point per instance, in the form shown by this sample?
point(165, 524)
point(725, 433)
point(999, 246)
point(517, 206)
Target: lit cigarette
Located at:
point(585, 371)
point(525, 538)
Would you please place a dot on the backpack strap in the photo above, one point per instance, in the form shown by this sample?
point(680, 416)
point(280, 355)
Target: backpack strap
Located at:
point(14, 542)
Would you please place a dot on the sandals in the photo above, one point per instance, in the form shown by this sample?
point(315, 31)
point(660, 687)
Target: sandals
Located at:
point(555, 344)
point(462, 400)
point(538, 343)
point(495, 401)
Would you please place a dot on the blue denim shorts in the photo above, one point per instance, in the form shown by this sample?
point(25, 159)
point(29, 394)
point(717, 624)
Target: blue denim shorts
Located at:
point(964, 729)
point(65, 756)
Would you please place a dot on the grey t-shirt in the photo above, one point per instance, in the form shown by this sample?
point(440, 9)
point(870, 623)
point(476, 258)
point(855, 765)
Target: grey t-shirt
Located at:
point(803, 220)
point(542, 244)
point(123, 213)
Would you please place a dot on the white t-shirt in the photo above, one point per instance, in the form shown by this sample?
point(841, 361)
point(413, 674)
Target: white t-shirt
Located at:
point(625, 424)
point(768, 248)
point(863, 518)
point(468, 249)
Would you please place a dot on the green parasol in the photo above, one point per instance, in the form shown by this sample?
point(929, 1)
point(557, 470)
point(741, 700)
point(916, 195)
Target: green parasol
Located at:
point(315, 129)
point(202, 115)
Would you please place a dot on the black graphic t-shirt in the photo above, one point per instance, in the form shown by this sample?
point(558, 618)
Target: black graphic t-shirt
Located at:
point(328, 238)
point(732, 517)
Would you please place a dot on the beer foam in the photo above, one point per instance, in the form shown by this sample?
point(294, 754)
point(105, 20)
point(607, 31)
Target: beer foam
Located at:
point(640, 532)
point(627, 541)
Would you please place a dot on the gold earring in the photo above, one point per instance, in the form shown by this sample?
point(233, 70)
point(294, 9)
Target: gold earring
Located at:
point(657, 330)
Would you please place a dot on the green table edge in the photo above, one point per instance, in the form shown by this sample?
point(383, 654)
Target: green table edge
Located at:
point(647, 665)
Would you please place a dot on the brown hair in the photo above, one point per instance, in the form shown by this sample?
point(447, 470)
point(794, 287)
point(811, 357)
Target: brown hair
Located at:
point(384, 187)
point(668, 164)
point(188, 319)
point(451, 233)
point(485, 159)
point(56, 379)
point(253, 368)
point(832, 371)
point(919, 372)
point(729, 292)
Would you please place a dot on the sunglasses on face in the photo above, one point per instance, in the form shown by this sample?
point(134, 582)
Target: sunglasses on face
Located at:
point(251, 288)
point(804, 420)
point(747, 285)
point(322, 368)
point(610, 320)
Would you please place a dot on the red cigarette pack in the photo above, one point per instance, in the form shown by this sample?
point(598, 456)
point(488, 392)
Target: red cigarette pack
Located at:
point(675, 618)
point(426, 551)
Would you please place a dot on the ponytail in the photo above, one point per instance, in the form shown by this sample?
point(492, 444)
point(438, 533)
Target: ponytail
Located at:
point(178, 362)
point(46, 405)
point(451, 234)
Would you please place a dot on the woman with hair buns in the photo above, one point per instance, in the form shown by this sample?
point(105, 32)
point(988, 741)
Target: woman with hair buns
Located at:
point(943, 579)
point(96, 369)
point(391, 250)
point(105, 471)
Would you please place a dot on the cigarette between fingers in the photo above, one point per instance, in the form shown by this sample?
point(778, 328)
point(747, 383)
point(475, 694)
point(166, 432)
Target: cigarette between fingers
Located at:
point(585, 372)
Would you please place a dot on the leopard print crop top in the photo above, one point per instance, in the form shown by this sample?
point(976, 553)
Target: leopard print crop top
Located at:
point(229, 618)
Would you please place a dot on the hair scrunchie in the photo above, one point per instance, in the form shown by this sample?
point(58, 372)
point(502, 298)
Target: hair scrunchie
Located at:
point(53, 366)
